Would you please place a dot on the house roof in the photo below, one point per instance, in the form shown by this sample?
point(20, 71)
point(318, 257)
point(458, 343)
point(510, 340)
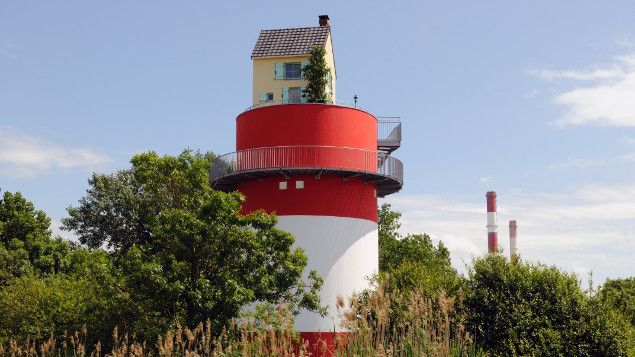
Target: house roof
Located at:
point(289, 42)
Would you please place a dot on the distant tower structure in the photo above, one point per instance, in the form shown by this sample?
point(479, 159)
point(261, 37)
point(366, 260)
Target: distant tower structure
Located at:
point(319, 166)
point(513, 248)
point(492, 228)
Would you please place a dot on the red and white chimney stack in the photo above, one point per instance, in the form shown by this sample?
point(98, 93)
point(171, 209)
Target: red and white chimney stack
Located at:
point(492, 228)
point(513, 248)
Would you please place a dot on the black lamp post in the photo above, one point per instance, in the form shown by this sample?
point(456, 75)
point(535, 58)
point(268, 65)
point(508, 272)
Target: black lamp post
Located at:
point(355, 99)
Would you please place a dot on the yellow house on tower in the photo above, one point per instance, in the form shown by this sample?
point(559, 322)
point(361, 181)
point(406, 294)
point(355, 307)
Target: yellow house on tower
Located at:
point(278, 58)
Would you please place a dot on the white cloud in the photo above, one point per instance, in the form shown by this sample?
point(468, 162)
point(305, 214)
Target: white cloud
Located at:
point(627, 157)
point(485, 179)
point(587, 228)
point(576, 164)
point(606, 100)
point(611, 72)
point(24, 155)
point(531, 94)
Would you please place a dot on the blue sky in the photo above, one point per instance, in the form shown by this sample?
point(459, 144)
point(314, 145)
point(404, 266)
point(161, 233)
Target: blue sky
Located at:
point(534, 100)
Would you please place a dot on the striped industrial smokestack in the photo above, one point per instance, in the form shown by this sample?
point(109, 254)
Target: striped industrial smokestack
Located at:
point(513, 248)
point(492, 228)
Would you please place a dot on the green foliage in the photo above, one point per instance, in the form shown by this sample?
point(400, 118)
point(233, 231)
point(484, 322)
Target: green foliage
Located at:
point(48, 285)
point(51, 305)
point(388, 230)
point(316, 73)
point(531, 309)
point(620, 295)
point(26, 246)
point(184, 251)
point(413, 262)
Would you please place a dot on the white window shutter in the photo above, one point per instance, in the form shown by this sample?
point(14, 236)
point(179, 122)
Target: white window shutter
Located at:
point(263, 97)
point(279, 70)
point(285, 95)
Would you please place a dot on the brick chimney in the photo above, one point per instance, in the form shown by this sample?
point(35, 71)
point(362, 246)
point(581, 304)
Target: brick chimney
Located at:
point(324, 20)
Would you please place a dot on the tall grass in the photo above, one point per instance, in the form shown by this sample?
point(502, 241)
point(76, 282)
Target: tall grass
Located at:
point(270, 335)
point(387, 322)
point(380, 323)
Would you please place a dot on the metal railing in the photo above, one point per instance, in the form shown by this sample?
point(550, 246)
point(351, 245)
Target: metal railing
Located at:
point(389, 130)
point(284, 102)
point(307, 157)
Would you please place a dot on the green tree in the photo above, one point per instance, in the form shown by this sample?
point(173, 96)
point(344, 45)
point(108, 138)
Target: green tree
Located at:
point(185, 251)
point(49, 285)
point(52, 304)
point(26, 246)
point(619, 295)
point(388, 231)
point(315, 72)
point(530, 309)
point(413, 262)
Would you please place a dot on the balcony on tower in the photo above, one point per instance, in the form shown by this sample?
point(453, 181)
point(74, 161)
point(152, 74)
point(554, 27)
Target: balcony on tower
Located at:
point(315, 139)
point(388, 134)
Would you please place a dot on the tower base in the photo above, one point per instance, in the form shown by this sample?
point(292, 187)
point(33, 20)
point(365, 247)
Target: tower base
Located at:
point(323, 344)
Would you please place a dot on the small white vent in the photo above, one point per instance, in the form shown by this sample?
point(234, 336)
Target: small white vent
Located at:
point(282, 185)
point(299, 184)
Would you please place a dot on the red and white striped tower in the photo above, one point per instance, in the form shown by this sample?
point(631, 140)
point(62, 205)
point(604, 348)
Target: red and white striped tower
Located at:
point(492, 228)
point(513, 248)
point(320, 168)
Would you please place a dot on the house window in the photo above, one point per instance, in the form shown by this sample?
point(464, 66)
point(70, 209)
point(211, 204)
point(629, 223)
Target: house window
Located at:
point(282, 185)
point(292, 70)
point(299, 185)
point(266, 97)
point(295, 95)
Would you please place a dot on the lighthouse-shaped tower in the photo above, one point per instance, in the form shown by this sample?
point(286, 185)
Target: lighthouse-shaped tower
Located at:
point(319, 167)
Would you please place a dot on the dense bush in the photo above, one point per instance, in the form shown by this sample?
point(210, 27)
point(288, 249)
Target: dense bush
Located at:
point(619, 295)
point(413, 262)
point(32, 306)
point(530, 309)
point(49, 285)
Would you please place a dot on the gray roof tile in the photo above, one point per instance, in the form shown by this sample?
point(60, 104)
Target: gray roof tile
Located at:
point(289, 42)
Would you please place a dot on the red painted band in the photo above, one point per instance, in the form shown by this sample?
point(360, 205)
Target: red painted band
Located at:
point(491, 201)
point(327, 196)
point(323, 344)
point(492, 242)
point(306, 124)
